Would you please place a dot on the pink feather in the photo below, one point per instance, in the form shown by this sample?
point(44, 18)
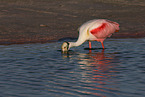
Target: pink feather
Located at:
point(105, 30)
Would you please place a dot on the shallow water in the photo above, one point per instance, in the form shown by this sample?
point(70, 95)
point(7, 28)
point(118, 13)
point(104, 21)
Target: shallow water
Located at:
point(41, 70)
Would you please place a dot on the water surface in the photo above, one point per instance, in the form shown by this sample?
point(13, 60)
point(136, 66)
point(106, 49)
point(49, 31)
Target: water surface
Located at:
point(41, 70)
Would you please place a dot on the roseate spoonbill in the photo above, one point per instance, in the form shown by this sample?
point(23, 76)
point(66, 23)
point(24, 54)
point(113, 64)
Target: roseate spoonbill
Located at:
point(93, 30)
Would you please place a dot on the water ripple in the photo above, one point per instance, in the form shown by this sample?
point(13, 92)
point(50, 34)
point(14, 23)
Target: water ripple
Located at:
point(37, 70)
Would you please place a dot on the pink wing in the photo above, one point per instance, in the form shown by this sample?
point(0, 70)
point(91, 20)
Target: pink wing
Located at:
point(105, 30)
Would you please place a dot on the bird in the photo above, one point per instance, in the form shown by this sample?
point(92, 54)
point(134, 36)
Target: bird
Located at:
point(93, 30)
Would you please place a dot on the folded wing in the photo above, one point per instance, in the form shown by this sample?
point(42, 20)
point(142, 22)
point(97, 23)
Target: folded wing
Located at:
point(106, 29)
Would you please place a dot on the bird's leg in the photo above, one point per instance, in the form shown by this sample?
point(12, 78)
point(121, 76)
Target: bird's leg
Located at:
point(90, 51)
point(89, 44)
point(102, 44)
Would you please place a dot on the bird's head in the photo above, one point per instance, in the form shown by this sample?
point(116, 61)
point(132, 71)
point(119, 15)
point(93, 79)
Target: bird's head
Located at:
point(65, 46)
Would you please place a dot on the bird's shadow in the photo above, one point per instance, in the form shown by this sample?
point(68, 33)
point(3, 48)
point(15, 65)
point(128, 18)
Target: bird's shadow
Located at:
point(93, 48)
point(71, 51)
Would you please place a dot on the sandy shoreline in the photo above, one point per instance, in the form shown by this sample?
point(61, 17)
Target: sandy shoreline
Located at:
point(40, 21)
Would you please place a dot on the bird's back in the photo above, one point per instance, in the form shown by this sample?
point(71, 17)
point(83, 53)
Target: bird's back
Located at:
point(99, 28)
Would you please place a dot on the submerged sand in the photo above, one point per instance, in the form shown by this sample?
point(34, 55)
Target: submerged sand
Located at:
point(33, 21)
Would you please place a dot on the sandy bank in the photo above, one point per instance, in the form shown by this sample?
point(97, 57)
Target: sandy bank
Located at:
point(32, 21)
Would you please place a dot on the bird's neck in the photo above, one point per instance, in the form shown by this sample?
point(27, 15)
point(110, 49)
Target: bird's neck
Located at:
point(77, 43)
point(81, 40)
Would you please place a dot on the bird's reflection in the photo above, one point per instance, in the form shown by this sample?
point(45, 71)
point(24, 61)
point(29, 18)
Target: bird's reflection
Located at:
point(99, 64)
point(97, 68)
